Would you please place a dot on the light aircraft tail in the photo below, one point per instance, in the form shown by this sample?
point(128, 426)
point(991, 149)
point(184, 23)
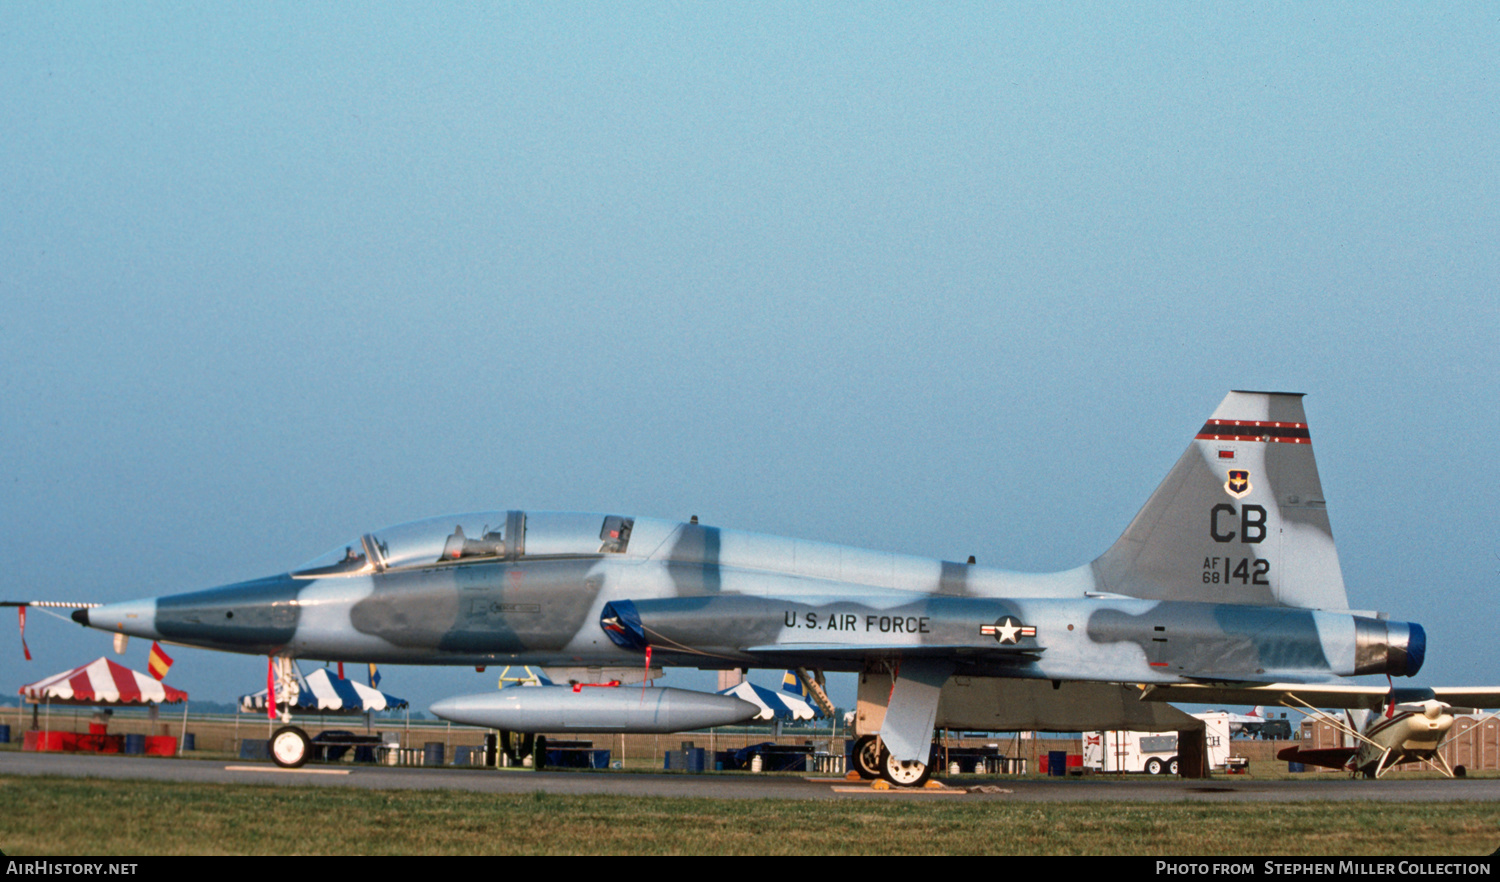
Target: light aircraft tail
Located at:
point(1240, 519)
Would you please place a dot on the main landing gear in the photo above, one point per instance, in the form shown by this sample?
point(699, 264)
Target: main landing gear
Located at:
point(872, 760)
point(898, 705)
point(904, 774)
point(866, 757)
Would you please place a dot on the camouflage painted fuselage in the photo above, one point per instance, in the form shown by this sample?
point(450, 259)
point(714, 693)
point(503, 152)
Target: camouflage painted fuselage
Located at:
point(713, 598)
point(1228, 574)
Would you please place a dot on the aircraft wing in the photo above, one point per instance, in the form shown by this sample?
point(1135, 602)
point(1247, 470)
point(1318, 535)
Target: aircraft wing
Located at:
point(1340, 695)
point(1328, 757)
point(1477, 697)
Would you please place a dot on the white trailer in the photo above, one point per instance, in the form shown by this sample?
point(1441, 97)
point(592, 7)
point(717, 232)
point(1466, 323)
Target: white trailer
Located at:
point(1153, 752)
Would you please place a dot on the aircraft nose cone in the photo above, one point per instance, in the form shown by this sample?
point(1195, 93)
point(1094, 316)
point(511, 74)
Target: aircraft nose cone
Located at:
point(134, 617)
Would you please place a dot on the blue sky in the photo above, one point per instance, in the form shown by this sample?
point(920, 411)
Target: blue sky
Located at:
point(941, 279)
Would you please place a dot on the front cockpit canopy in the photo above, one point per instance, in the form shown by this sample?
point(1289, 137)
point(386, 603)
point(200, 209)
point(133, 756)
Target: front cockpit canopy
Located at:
point(478, 536)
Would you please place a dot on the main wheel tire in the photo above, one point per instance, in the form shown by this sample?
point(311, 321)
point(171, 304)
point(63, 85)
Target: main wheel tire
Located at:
point(866, 757)
point(908, 774)
point(1153, 766)
point(290, 747)
point(539, 753)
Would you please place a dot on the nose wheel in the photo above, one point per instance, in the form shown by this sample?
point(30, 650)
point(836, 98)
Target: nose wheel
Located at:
point(290, 747)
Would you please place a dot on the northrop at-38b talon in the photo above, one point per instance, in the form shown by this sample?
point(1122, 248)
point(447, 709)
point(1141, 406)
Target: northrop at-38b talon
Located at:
point(1227, 578)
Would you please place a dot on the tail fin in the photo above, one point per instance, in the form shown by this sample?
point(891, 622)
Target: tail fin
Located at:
point(1240, 518)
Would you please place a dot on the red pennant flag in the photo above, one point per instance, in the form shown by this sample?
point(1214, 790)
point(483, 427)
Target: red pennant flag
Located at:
point(647, 676)
point(24, 648)
point(159, 663)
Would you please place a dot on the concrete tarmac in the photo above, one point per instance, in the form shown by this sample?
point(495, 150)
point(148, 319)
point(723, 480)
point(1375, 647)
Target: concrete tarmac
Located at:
point(1315, 786)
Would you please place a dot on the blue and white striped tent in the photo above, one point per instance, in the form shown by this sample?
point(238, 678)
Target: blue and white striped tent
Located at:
point(773, 704)
point(323, 692)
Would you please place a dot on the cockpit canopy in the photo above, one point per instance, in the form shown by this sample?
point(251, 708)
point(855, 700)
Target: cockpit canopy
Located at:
point(451, 540)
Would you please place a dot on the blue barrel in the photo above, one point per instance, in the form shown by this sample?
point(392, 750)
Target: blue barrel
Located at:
point(189, 742)
point(1057, 763)
point(432, 753)
point(5, 734)
point(135, 745)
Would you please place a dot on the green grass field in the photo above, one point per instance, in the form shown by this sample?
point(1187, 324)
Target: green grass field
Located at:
point(67, 816)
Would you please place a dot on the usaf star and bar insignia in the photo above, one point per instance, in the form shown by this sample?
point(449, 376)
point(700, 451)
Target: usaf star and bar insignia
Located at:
point(1008, 630)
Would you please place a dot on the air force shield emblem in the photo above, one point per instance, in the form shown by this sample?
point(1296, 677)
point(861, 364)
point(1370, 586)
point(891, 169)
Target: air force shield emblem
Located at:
point(1238, 484)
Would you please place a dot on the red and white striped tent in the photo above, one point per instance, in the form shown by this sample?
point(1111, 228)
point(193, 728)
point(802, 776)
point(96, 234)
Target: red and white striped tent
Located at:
point(101, 681)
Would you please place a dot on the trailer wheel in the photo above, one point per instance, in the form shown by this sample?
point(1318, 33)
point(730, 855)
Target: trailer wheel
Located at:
point(1153, 766)
point(290, 748)
point(866, 756)
point(1172, 766)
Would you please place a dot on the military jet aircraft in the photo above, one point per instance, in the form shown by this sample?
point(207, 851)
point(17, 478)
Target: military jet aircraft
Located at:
point(1227, 577)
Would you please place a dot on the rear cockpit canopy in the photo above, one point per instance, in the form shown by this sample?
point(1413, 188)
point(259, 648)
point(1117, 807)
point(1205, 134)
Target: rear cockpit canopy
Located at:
point(451, 540)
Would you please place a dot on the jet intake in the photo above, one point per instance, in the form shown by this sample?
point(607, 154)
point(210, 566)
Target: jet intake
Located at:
point(654, 710)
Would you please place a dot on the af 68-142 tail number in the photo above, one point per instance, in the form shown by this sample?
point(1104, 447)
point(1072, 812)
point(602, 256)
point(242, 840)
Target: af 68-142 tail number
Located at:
point(1245, 570)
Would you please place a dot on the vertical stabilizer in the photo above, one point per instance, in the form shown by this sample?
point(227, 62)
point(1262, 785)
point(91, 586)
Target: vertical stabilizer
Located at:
point(1240, 519)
